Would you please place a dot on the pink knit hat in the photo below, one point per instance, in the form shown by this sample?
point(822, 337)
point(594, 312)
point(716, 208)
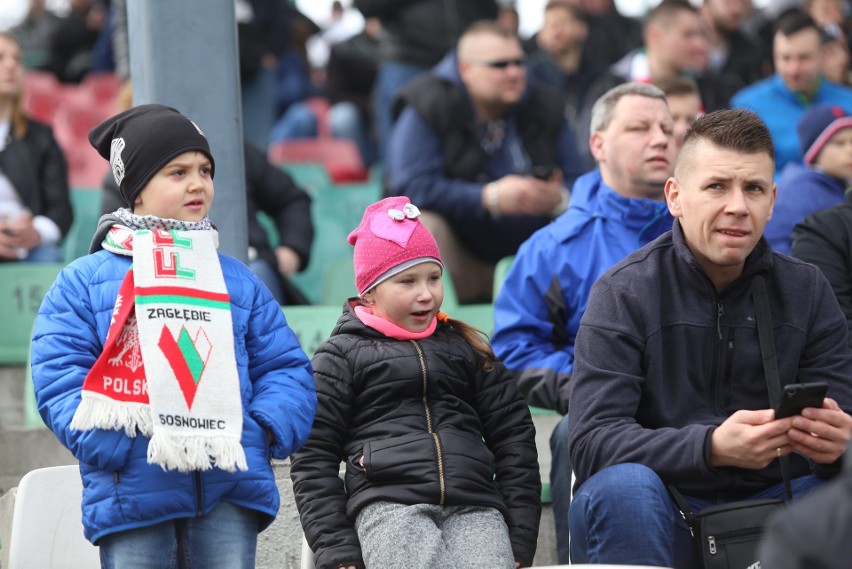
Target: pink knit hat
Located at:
point(389, 240)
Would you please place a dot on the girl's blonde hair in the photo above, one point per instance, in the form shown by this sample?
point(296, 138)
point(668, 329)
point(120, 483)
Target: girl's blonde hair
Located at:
point(20, 119)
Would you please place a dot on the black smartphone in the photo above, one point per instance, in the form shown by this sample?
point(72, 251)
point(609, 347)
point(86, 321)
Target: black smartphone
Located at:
point(543, 172)
point(797, 396)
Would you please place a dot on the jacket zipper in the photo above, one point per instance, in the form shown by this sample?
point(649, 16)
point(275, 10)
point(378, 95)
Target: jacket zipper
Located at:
point(727, 388)
point(720, 311)
point(199, 497)
point(429, 423)
point(718, 350)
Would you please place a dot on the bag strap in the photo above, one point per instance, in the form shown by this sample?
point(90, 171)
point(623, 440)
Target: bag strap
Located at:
point(684, 508)
point(766, 337)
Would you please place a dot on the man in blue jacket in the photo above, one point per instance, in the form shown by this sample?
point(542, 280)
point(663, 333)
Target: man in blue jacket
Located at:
point(484, 153)
point(615, 209)
point(669, 385)
point(780, 100)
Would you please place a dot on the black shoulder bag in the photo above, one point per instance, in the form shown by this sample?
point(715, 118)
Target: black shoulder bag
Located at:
point(727, 536)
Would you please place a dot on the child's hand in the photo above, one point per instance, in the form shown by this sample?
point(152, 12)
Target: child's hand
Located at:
point(517, 564)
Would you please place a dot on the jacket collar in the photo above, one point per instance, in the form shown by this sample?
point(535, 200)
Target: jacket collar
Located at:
point(592, 199)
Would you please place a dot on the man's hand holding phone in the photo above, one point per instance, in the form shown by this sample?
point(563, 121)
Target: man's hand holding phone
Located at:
point(821, 434)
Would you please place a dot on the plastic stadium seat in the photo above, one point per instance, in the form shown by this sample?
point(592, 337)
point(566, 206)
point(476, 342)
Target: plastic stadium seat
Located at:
point(340, 158)
point(500, 272)
point(310, 176)
point(47, 531)
point(42, 95)
point(86, 204)
point(479, 315)
point(335, 211)
point(102, 87)
point(22, 288)
point(312, 324)
point(338, 282)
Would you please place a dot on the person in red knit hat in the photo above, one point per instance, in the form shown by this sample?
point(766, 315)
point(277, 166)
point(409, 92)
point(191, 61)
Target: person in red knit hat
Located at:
point(439, 445)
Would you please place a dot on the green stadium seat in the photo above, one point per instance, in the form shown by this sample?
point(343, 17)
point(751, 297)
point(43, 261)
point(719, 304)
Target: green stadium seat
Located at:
point(500, 272)
point(310, 176)
point(338, 282)
point(86, 203)
point(479, 315)
point(22, 288)
point(312, 324)
point(336, 211)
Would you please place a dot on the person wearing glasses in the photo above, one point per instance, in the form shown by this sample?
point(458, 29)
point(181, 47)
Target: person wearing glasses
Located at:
point(486, 154)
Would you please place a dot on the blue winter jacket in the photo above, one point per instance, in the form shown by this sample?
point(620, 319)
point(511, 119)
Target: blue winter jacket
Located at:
point(121, 491)
point(537, 312)
point(780, 108)
point(801, 192)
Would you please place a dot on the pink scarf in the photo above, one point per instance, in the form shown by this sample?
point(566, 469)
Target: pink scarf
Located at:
point(390, 329)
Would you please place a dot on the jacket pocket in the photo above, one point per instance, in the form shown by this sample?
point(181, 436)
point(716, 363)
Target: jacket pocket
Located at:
point(407, 458)
point(467, 459)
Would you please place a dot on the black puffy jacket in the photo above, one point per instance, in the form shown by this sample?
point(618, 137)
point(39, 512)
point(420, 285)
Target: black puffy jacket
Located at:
point(433, 427)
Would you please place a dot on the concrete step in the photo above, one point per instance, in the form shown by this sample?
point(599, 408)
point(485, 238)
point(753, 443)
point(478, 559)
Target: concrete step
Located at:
point(23, 449)
point(12, 381)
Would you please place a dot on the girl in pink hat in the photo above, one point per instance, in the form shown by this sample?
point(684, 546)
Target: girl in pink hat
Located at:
point(439, 446)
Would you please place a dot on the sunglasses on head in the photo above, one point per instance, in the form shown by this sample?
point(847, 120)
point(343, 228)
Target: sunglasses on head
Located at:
point(502, 63)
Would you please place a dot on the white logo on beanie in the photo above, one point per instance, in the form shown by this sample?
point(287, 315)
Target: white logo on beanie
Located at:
point(196, 127)
point(115, 160)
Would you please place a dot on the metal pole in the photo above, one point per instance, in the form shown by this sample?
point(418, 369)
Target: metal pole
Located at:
point(183, 53)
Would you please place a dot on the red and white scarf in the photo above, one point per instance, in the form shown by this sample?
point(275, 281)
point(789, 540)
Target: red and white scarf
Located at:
point(168, 367)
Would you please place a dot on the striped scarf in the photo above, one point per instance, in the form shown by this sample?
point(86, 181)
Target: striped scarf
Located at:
point(168, 366)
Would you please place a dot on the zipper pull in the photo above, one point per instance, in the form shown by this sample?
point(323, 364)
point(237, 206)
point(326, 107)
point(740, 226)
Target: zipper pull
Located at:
point(711, 544)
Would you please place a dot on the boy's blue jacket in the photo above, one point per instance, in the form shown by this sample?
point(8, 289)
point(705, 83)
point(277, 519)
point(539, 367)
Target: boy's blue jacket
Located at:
point(537, 312)
point(802, 190)
point(121, 491)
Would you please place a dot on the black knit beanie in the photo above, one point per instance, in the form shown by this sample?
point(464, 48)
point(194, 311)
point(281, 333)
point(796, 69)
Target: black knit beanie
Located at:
point(140, 141)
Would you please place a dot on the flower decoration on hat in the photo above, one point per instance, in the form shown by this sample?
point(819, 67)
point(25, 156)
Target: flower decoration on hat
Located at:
point(398, 225)
point(410, 211)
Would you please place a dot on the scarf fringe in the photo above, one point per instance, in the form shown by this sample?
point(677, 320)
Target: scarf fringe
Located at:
point(97, 412)
point(187, 453)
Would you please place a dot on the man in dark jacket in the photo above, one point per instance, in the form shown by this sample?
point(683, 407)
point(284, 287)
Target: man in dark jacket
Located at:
point(415, 36)
point(273, 192)
point(467, 147)
point(669, 385)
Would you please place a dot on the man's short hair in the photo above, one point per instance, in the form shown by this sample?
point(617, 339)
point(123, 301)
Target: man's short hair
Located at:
point(602, 109)
point(488, 27)
point(576, 12)
point(794, 22)
point(676, 85)
point(739, 130)
point(664, 13)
